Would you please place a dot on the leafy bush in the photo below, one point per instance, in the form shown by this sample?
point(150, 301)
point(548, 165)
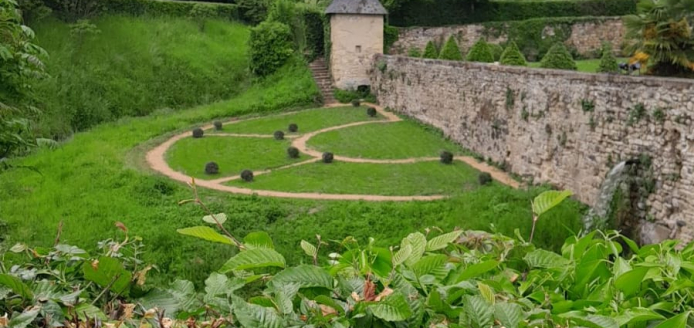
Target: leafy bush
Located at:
point(278, 135)
point(497, 50)
point(328, 157)
point(450, 50)
point(293, 127)
point(293, 152)
point(480, 52)
point(446, 157)
point(198, 133)
point(390, 35)
point(414, 52)
point(211, 168)
point(202, 12)
point(346, 96)
point(247, 175)
point(218, 125)
point(355, 103)
point(484, 178)
point(314, 20)
point(512, 56)
point(430, 51)
point(371, 112)
point(558, 58)
point(608, 62)
point(270, 47)
point(171, 8)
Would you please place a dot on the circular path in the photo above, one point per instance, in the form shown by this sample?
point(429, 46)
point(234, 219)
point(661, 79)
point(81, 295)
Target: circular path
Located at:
point(156, 160)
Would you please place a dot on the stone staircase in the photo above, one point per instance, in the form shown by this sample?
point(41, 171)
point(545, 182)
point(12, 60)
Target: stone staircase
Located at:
point(322, 77)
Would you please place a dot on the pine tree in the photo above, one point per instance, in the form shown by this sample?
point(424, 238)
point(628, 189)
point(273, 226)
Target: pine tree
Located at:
point(451, 51)
point(559, 58)
point(512, 56)
point(480, 52)
point(608, 63)
point(430, 51)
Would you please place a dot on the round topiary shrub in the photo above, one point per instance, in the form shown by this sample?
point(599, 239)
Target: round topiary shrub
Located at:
point(217, 125)
point(558, 58)
point(512, 56)
point(484, 178)
point(293, 152)
point(371, 112)
point(198, 133)
point(211, 168)
point(247, 175)
point(480, 52)
point(293, 127)
point(446, 157)
point(279, 135)
point(356, 102)
point(328, 157)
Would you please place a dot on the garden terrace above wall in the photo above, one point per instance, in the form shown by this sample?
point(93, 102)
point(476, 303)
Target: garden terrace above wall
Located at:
point(562, 127)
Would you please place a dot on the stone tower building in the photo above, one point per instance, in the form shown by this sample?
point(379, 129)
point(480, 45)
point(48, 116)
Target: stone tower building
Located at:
point(356, 35)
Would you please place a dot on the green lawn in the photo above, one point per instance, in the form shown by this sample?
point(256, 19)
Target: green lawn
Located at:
point(233, 155)
point(424, 178)
point(587, 65)
point(384, 141)
point(308, 120)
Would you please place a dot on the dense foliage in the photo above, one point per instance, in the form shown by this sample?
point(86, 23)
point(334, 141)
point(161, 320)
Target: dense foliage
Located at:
point(480, 52)
point(198, 133)
point(430, 51)
point(293, 127)
point(218, 125)
point(512, 56)
point(450, 50)
point(484, 178)
point(497, 50)
point(211, 168)
point(293, 152)
point(327, 157)
point(173, 9)
point(390, 35)
point(371, 112)
point(608, 62)
point(278, 135)
point(559, 58)
point(446, 157)
point(270, 47)
point(247, 175)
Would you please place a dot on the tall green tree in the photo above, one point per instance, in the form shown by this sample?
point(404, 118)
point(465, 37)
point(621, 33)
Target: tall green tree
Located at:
point(450, 50)
point(430, 51)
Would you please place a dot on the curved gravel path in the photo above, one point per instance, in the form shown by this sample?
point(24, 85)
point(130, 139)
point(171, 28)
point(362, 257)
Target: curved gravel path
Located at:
point(156, 160)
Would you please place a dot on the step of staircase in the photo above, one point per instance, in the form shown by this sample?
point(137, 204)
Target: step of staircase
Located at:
point(321, 75)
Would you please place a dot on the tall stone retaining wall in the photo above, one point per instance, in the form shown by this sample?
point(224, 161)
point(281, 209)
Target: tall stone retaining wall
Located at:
point(561, 127)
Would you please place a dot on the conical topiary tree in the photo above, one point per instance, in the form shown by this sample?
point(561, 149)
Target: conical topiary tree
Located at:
point(608, 63)
point(450, 50)
point(558, 57)
point(430, 51)
point(512, 56)
point(480, 52)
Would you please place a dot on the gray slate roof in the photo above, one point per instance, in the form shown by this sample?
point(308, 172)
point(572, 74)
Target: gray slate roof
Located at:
point(364, 7)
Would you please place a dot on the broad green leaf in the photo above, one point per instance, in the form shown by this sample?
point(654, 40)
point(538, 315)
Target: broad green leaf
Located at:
point(630, 281)
point(304, 275)
point(486, 292)
point(548, 200)
point(478, 311)
point(509, 314)
point(540, 258)
point(258, 239)
point(402, 255)
point(16, 285)
point(418, 242)
point(593, 321)
point(256, 316)
point(477, 269)
point(634, 315)
point(108, 271)
point(620, 267)
point(206, 233)
point(184, 293)
point(392, 308)
point(25, 318)
point(218, 284)
point(253, 259)
point(440, 242)
point(309, 249)
point(221, 218)
point(428, 264)
point(284, 295)
point(85, 310)
point(678, 321)
point(161, 299)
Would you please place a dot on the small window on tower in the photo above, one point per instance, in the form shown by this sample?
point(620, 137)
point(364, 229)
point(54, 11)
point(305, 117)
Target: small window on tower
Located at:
point(358, 49)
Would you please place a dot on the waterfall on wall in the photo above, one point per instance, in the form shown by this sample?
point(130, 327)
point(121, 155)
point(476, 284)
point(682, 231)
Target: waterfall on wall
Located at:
point(598, 214)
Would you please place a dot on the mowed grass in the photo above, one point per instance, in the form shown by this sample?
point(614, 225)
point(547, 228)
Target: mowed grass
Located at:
point(232, 154)
point(307, 121)
point(422, 178)
point(587, 65)
point(395, 140)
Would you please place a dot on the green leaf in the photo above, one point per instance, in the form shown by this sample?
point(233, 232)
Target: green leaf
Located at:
point(509, 314)
point(161, 299)
point(218, 284)
point(540, 258)
point(16, 285)
point(478, 310)
point(256, 316)
point(402, 255)
point(258, 239)
point(108, 272)
point(548, 200)
point(418, 242)
point(639, 314)
point(440, 242)
point(309, 249)
point(253, 259)
point(184, 293)
point(284, 295)
point(678, 321)
point(486, 292)
point(630, 281)
point(304, 275)
point(477, 269)
point(206, 233)
point(392, 308)
point(593, 321)
point(428, 264)
point(85, 310)
point(221, 217)
point(25, 318)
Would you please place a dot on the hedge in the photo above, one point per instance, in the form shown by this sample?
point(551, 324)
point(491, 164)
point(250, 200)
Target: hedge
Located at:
point(166, 8)
point(455, 12)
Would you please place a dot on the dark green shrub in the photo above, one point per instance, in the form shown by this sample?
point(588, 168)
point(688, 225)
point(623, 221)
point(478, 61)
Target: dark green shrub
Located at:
point(293, 152)
point(450, 50)
point(484, 178)
point(558, 58)
point(390, 35)
point(480, 52)
point(314, 19)
point(430, 51)
point(211, 168)
point(446, 157)
point(512, 56)
point(356, 103)
point(218, 125)
point(414, 52)
point(497, 50)
point(279, 135)
point(608, 62)
point(371, 112)
point(346, 96)
point(169, 8)
point(328, 157)
point(293, 127)
point(247, 175)
point(270, 47)
point(198, 133)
